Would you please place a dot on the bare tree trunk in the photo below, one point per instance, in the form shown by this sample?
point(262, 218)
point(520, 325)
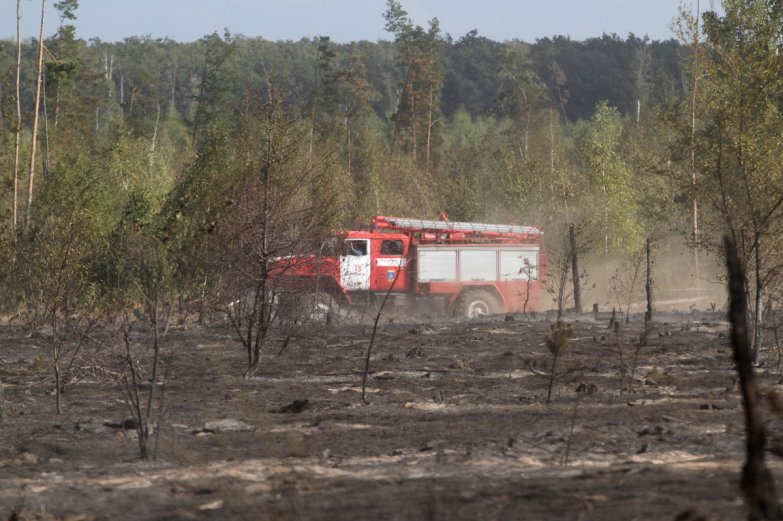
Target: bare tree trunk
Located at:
point(366, 372)
point(155, 319)
point(648, 285)
point(56, 352)
point(18, 113)
point(758, 323)
point(350, 147)
point(261, 307)
point(575, 269)
point(414, 135)
point(153, 144)
point(56, 106)
point(429, 128)
point(695, 204)
point(552, 375)
point(31, 179)
point(757, 482)
point(172, 102)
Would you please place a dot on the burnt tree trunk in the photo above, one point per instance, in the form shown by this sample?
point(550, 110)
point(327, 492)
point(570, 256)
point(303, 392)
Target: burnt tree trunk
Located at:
point(648, 285)
point(575, 269)
point(758, 307)
point(757, 482)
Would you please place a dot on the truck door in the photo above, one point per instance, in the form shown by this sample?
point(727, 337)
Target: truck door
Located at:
point(390, 264)
point(355, 265)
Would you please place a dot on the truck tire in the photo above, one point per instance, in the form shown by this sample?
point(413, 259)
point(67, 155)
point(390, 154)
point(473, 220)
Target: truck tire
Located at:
point(307, 307)
point(477, 303)
point(319, 308)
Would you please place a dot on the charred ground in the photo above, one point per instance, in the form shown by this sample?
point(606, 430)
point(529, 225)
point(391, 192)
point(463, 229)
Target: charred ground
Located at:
point(456, 426)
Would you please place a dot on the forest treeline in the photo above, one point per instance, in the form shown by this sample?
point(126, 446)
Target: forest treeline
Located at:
point(170, 171)
point(475, 77)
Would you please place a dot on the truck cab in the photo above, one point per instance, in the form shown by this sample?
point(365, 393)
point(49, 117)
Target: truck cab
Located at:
point(375, 262)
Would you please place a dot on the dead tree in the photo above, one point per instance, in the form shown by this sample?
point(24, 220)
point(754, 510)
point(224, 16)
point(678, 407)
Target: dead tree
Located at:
point(31, 179)
point(141, 405)
point(366, 372)
point(757, 482)
point(648, 285)
point(575, 269)
point(626, 282)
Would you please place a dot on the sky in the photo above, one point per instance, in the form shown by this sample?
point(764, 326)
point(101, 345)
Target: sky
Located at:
point(350, 20)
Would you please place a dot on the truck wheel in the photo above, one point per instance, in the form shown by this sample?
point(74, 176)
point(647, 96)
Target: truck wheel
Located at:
point(319, 308)
point(477, 303)
point(308, 307)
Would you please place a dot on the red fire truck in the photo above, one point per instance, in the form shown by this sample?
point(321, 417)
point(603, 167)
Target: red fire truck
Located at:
point(464, 268)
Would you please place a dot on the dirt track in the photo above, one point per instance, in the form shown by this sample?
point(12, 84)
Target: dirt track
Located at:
point(456, 428)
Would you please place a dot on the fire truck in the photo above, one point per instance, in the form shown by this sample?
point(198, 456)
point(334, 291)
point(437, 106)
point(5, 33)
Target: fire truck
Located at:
point(463, 268)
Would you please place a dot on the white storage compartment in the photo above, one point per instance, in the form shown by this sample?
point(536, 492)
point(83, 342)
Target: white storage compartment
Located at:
point(466, 263)
point(437, 265)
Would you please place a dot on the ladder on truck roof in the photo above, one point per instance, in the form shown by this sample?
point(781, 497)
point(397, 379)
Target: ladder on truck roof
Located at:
point(403, 223)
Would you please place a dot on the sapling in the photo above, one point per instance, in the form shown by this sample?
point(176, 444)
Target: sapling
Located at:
point(141, 406)
point(649, 325)
point(558, 343)
point(570, 438)
point(527, 271)
point(626, 283)
point(372, 337)
point(617, 344)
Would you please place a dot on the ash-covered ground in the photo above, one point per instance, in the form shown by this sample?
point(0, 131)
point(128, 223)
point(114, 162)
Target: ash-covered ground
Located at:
point(456, 425)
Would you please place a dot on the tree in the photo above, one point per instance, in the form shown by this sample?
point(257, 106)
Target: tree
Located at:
point(521, 91)
point(358, 95)
point(65, 66)
point(687, 26)
point(739, 137)
point(324, 101)
point(52, 276)
point(142, 258)
point(469, 165)
point(285, 203)
point(255, 194)
point(216, 83)
point(31, 177)
point(609, 179)
point(418, 111)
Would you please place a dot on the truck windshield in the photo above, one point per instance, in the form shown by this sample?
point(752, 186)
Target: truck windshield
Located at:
point(392, 247)
point(355, 248)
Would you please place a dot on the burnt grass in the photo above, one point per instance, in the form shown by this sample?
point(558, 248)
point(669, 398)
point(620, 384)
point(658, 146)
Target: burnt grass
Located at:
point(456, 426)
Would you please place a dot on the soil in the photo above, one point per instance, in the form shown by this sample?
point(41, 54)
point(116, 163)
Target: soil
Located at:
point(456, 426)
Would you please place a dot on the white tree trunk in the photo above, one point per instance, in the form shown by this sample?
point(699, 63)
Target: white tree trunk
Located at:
point(31, 179)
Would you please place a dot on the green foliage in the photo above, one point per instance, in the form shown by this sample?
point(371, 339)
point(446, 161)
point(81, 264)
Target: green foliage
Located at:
point(213, 100)
point(741, 114)
point(416, 119)
point(615, 223)
point(739, 140)
point(521, 91)
point(471, 79)
point(53, 261)
point(471, 186)
point(570, 71)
